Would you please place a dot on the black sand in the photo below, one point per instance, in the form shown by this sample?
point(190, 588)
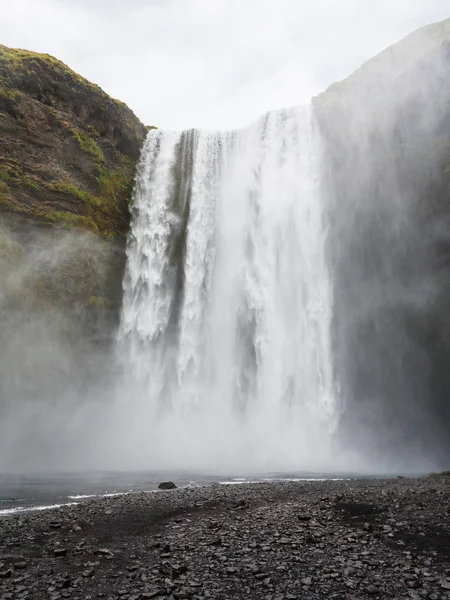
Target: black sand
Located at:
point(334, 540)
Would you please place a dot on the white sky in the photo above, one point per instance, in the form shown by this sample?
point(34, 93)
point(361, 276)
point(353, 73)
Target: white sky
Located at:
point(212, 63)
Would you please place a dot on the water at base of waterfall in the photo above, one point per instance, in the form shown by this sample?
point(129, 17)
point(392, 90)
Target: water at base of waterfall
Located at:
point(24, 493)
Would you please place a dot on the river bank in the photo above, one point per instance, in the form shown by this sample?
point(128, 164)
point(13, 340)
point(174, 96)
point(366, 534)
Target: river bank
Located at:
point(280, 540)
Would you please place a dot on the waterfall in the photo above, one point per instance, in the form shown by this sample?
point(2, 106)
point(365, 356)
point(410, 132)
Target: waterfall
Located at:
point(225, 329)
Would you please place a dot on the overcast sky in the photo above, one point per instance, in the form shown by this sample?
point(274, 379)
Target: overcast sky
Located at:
point(212, 63)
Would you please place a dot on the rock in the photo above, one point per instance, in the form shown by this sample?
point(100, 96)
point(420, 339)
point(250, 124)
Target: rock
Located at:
point(55, 524)
point(241, 504)
point(60, 552)
point(104, 552)
point(167, 485)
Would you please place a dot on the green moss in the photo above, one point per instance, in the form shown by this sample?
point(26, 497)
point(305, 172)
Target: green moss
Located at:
point(5, 176)
point(87, 144)
point(12, 173)
point(7, 93)
point(72, 190)
point(70, 220)
point(106, 211)
point(100, 302)
point(114, 183)
point(4, 190)
point(33, 184)
point(149, 127)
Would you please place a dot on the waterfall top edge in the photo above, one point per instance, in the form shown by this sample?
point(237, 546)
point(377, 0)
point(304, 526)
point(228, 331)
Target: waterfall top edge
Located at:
point(277, 111)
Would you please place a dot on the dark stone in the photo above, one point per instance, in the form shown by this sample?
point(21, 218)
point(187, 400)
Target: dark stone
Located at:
point(167, 485)
point(104, 552)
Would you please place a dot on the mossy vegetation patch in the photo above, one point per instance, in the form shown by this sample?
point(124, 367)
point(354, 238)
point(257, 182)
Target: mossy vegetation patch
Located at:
point(70, 189)
point(11, 172)
point(115, 184)
point(8, 93)
point(70, 220)
point(87, 144)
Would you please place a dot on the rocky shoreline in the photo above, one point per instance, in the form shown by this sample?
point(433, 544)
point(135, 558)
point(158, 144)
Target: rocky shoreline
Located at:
point(342, 540)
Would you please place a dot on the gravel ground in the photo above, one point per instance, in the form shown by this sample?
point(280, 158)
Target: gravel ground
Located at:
point(344, 540)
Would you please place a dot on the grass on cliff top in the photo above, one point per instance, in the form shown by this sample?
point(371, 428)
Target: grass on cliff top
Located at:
point(16, 56)
point(26, 60)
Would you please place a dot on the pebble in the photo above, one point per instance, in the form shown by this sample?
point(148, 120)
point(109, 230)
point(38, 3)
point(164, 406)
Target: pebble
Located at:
point(272, 541)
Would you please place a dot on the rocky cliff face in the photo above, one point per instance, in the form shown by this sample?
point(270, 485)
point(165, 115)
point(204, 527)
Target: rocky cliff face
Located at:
point(67, 160)
point(67, 150)
point(387, 154)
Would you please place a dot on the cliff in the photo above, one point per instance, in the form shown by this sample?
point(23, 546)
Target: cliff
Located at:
point(67, 150)
point(67, 160)
point(386, 133)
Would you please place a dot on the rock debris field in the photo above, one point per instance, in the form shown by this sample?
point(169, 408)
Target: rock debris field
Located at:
point(341, 540)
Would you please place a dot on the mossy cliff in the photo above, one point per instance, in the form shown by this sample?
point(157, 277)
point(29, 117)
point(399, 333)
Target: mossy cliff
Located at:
point(67, 150)
point(67, 161)
point(386, 134)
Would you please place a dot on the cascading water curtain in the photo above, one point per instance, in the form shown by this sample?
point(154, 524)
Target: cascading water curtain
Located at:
point(225, 333)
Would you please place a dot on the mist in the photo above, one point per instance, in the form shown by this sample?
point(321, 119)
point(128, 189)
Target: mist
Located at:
point(212, 358)
point(387, 191)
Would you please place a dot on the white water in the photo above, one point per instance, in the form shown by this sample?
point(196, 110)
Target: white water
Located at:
point(225, 330)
